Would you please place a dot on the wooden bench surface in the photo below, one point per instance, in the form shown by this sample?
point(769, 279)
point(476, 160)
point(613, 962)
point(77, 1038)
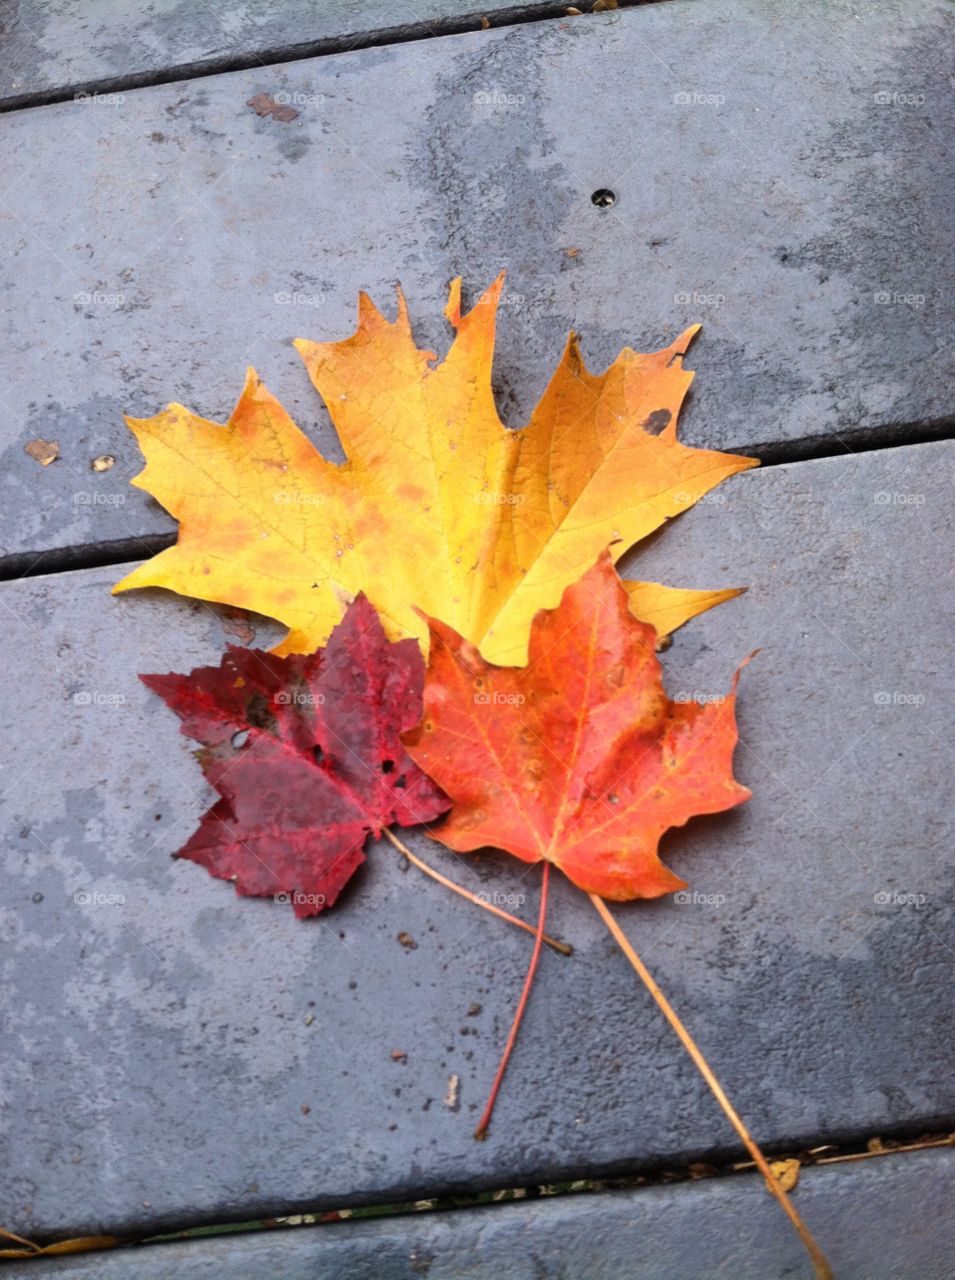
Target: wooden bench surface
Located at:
point(156, 242)
point(53, 51)
point(167, 1044)
point(726, 1227)
point(174, 1055)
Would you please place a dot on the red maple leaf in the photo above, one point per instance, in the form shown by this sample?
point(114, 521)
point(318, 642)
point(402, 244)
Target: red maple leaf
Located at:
point(306, 754)
point(578, 759)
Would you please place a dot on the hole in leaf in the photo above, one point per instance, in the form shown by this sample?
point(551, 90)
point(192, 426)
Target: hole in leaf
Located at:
point(387, 766)
point(319, 753)
point(400, 782)
point(604, 198)
point(258, 712)
point(240, 738)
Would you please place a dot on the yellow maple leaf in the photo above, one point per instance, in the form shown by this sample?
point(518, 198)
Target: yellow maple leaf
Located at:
point(439, 506)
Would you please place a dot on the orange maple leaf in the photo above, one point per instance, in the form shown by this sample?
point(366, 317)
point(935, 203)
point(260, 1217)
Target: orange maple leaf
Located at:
point(578, 759)
point(439, 506)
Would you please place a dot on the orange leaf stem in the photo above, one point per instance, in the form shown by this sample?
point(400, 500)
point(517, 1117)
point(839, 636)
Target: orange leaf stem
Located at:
point(481, 1131)
point(555, 944)
point(821, 1267)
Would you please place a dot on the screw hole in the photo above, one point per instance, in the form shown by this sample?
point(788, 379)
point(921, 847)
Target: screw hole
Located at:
point(604, 198)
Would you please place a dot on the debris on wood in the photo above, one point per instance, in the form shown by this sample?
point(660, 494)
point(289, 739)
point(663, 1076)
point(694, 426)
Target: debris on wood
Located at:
point(451, 1097)
point(263, 105)
point(235, 622)
point(786, 1172)
point(43, 451)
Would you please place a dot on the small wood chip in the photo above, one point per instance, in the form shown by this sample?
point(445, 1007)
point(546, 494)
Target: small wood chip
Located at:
point(263, 105)
point(786, 1172)
point(406, 940)
point(103, 462)
point(451, 1097)
point(235, 622)
point(43, 451)
point(399, 1055)
point(485, 25)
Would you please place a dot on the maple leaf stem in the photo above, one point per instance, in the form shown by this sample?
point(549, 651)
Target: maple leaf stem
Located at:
point(821, 1267)
point(564, 948)
point(481, 1131)
point(28, 1244)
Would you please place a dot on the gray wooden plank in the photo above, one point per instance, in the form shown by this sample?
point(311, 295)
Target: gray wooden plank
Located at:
point(161, 243)
point(159, 1049)
point(52, 49)
point(885, 1219)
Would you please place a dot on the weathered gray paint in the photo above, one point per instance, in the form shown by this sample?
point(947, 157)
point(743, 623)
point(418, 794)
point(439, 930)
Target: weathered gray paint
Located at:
point(157, 1051)
point(885, 1219)
point(753, 165)
point(54, 47)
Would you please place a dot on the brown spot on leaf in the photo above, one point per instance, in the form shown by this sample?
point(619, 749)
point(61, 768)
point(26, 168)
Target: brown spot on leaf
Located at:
point(658, 421)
